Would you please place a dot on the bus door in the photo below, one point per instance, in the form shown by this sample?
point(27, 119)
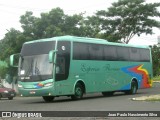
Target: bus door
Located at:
point(62, 67)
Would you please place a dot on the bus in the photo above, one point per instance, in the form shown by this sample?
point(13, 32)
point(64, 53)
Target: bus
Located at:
point(73, 66)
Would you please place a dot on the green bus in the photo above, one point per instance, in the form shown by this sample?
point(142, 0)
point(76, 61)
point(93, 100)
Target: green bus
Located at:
point(73, 66)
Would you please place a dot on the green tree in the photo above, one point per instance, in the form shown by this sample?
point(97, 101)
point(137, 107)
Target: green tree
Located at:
point(11, 43)
point(156, 60)
point(3, 69)
point(27, 23)
point(127, 18)
point(89, 27)
point(51, 24)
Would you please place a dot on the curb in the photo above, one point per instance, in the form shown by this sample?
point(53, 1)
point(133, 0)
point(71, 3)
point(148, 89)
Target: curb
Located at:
point(147, 98)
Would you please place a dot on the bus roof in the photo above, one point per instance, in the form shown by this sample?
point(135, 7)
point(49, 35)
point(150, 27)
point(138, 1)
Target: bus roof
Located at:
point(86, 40)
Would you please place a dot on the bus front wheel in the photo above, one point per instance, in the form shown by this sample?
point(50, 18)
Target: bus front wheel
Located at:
point(48, 98)
point(78, 92)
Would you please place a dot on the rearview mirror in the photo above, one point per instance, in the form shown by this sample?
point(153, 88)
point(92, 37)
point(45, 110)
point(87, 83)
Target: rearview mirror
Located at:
point(51, 55)
point(14, 59)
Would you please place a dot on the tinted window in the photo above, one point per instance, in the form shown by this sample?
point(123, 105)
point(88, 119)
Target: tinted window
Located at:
point(134, 54)
point(80, 51)
point(123, 54)
point(37, 48)
point(110, 53)
point(145, 55)
point(95, 52)
point(88, 51)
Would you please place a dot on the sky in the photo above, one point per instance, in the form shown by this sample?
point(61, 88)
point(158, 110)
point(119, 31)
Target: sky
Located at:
point(11, 10)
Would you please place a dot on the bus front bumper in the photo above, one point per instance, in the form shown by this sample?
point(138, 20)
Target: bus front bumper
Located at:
point(45, 91)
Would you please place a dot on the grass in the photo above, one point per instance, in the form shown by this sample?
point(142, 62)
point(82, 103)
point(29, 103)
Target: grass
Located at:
point(153, 99)
point(156, 78)
point(148, 98)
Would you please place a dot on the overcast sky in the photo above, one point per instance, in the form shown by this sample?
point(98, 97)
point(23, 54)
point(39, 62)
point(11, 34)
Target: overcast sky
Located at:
point(11, 10)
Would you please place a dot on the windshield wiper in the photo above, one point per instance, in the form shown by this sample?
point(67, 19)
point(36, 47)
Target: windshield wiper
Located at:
point(37, 71)
point(30, 69)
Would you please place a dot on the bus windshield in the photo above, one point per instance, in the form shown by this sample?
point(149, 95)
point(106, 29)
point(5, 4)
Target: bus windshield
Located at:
point(34, 63)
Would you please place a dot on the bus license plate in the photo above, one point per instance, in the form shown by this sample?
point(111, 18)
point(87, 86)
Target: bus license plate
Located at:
point(32, 92)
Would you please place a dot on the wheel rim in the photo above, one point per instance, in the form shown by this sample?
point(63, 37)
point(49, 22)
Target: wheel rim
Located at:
point(78, 92)
point(134, 89)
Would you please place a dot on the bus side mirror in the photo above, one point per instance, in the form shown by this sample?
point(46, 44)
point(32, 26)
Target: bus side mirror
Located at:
point(14, 59)
point(51, 55)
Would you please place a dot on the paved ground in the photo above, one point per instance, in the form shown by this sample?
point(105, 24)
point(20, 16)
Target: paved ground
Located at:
point(90, 102)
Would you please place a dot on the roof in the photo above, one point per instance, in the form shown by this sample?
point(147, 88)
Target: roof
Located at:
point(70, 38)
point(85, 39)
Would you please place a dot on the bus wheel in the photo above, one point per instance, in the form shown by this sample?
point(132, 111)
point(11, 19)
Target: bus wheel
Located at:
point(48, 98)
point(107, 93)
point(78, 92)
point(133, 89)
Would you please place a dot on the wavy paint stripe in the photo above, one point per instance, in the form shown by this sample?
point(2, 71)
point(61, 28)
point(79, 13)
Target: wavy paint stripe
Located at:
point(140, 73)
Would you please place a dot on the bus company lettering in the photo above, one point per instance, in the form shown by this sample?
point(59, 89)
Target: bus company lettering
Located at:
point(87, 69)
point(108, 67)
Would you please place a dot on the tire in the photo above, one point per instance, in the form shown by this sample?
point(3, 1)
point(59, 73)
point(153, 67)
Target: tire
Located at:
point(133, 89)
point(79, 91)
point(107, 93)
point(48, 98)
point(10, 98)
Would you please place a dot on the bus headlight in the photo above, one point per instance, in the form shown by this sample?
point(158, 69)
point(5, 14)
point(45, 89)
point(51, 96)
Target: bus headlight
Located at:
point(48, 84)
point(20, 86)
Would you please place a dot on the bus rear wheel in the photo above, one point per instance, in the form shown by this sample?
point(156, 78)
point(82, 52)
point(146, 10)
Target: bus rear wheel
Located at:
point(133, 89)
point(48, 98)
point(78, 92)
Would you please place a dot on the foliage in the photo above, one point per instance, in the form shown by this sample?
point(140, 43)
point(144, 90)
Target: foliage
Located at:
point(127, 18)
point(156, 78)
point(54, 23)
point(11, 44)
point(156, 60)
point(3, 71)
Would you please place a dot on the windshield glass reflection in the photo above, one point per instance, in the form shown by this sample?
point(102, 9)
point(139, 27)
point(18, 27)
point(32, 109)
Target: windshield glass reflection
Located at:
point(35, 65)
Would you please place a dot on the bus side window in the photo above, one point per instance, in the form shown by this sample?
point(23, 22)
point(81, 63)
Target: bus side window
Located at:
point(110, 53)
point(80, 51)
point(145, 55)
point(95, 52)
point(123, 53)
point(134, 54)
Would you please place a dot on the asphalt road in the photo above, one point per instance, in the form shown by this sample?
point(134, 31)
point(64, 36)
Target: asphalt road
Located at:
point(90, 102)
